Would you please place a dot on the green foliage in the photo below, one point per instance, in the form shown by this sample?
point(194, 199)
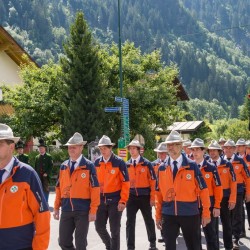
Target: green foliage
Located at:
point(202, 109)
point(237, 129)
point(37, 102)
point(230, 129)
point(245, 110)
point(148, 85)
point(82, 107)
point(203, 132)
point(211, 50)
point(150, 154)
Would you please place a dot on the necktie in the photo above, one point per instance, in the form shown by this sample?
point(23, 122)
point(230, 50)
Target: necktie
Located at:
point(1, 174)
point(72, 168)
point(229, 159)
point(215, 163)
point(175, 169)
point(199, 165)
point(134, 163)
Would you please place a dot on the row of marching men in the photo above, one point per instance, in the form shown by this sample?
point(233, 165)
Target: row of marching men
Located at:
point(186, 181)
point(186, 194)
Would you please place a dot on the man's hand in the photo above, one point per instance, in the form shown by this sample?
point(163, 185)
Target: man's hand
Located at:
point(205, 221)
point(45, 175)
point(152, 203)
point(231, 205)
point(121, 207)
point(56, 214)
point(159, 224)
point(92, 217)
point(216, 212)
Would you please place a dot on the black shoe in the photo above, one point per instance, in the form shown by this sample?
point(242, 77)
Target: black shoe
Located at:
point(152, 246)
point(236, 245)
point(161, 240)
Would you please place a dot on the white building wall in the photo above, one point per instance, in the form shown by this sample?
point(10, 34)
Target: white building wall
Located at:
point(9, 71)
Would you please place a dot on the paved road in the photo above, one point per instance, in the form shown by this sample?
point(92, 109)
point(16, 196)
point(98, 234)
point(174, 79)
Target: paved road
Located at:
point(94, 242)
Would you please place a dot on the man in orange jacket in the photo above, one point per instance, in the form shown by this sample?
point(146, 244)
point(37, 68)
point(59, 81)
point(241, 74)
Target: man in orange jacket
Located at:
point(180, 184)
point(142, 195)
point(114, 183)
point(162, 155)
point(24, 213)
point(78, 195)
point(212, 179)
point(243, 183)
point(229, 186)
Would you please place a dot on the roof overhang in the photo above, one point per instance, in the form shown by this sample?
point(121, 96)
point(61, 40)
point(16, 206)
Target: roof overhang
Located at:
point(13, 49)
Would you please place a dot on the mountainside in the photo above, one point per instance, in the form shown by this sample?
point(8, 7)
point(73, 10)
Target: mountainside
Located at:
point(207, 39)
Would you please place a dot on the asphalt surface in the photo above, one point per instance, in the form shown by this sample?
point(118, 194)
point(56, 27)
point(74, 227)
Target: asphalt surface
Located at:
point(95, 243)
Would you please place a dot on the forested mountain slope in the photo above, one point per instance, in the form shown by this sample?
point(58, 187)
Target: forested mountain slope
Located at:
point(212, 63)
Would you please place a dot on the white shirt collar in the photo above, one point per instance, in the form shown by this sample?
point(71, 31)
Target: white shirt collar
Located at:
point(179, 162)
point(136, 160)
point(9, 166)
point(232, 157)
point(218, 161)
point(77, 161)
point(8, 169)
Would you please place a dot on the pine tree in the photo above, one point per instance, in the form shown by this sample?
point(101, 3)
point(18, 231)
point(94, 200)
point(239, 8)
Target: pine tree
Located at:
point(83, 109)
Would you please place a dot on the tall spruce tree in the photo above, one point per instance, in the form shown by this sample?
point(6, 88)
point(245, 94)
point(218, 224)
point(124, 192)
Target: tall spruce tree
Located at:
point(81, 78)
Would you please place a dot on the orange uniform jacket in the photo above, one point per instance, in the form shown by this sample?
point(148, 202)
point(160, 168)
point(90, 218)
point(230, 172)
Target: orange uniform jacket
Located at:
point(114, 180)
point(24, 213)
point(180, 196)
point(156, 164)
point(212, 179)
point(247, 161)
point(142, 178)
point(242, 175)
point(228, 180)
point(79, 191)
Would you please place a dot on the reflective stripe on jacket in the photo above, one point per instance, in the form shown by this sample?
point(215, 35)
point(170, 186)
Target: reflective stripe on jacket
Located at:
point(79, 191)
point(242, 175)
point(180, 196)
point(212, 179)
point(228, 180)
point(113, 179)
point(142, 178)
point(24, 213)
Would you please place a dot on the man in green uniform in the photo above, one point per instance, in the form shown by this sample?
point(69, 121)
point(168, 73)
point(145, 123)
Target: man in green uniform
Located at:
point(20, 155)
point(43, 167)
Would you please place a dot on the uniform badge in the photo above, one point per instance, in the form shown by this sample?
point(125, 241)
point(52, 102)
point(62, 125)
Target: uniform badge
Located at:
point(83, 175)
point(188, 176)
point(143, 170)
point(224, 171)
point(14, 189)
point(112, 171)
point(207, 176)
point(236, 167)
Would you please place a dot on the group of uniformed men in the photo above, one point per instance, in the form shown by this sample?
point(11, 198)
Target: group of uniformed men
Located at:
point(188, 188)
point(203, 183)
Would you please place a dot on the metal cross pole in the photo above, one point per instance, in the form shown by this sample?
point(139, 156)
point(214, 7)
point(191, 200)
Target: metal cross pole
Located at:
point(120, 66)
point(120, 50)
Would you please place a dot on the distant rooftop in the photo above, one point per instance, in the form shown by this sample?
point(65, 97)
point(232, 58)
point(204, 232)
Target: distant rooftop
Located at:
point(183, 127)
